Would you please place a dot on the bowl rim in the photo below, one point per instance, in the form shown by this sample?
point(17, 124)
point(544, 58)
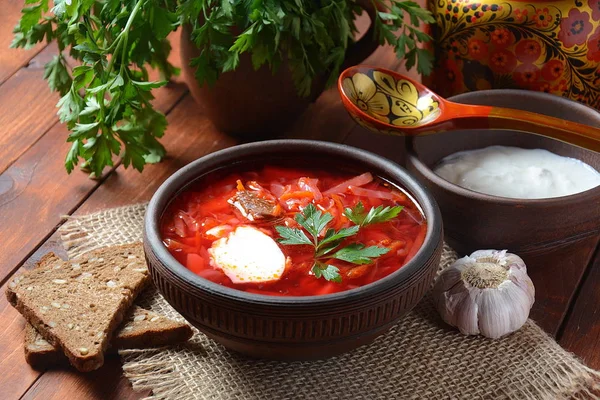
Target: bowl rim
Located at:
point(172, 186)
point(427, 172)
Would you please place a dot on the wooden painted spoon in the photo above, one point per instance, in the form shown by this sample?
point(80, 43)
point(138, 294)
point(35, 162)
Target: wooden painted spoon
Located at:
point(387, 102)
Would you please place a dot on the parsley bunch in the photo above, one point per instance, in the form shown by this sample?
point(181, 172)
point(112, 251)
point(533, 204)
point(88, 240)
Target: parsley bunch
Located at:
point(314, 222)
point(106, 98)
point(106, 94)
point(312, 36)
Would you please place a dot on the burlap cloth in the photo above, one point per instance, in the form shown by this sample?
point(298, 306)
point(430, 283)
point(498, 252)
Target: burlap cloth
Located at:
point(419, 358)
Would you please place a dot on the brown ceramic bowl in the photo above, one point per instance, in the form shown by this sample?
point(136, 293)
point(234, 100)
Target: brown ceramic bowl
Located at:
point(292, 328)
point(544, 232)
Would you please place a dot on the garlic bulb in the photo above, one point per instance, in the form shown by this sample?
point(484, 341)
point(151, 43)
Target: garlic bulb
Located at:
point(486, 293)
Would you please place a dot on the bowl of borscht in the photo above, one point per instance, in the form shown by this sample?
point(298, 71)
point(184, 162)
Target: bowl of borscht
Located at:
point(292, 249)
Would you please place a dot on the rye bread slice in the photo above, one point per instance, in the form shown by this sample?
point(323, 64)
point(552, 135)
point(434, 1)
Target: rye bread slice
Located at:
point(145, 328)
point(77, 305)
point(141, 329)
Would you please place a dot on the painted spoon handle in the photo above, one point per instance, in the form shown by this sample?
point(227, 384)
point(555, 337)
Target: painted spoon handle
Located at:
point(505, 118)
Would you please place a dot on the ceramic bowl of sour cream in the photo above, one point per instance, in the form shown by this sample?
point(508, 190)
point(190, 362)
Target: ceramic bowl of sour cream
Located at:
point(501, 189)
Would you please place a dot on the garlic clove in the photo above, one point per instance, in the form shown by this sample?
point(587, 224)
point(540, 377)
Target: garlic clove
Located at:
point(520, 278)
point(450, 304)
point(495, 314)
point(467, 313)
point(447, 294)
point(448, 279)
point(456, 303)
point(520, 304)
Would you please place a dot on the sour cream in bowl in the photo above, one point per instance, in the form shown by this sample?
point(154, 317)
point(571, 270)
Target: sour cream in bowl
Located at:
point(518, 173)
point(503, 189)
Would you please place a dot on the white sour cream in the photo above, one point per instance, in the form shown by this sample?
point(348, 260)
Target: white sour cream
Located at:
point(247, 255)
point(518, 173)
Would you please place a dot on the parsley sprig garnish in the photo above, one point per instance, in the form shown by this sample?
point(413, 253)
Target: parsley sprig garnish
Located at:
point(374, 216)
point(328, 247)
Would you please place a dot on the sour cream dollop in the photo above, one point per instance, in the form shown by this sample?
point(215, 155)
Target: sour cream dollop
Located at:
point(247, 255)
point(518, 173)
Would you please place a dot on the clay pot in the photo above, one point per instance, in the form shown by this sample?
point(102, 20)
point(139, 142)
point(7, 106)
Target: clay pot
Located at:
point(545, 45)
point(287, 327)
point(544, 232)
point(258, 104)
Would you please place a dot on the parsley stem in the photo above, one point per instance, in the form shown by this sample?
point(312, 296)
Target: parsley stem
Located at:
point(121, 40)
point(123, 36)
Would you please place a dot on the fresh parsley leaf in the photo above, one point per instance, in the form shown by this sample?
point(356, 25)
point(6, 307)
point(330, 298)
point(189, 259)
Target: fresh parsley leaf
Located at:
point(147, 86)
point(57, 75)
point(329, 272)
point(388, 24)
point(375, 215)
point(69, 107)
point(292, 236)
point(381, 214)
point(31, 16)
point(359, 254)
point(163, 22)
point(425, 58)
point(332, 238)
point(313, 220)
point(72, 156)
point(356, 214)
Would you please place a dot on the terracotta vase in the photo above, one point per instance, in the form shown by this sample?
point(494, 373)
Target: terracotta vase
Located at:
point(544, 45)
point(255, 104)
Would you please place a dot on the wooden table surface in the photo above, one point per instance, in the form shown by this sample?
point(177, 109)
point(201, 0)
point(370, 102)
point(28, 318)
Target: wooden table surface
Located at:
point(36, 192)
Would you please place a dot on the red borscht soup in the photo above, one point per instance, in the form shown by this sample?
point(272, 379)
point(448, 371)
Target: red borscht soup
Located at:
point(292, 232)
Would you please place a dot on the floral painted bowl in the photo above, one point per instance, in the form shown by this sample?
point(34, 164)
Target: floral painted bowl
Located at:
point(549, 46)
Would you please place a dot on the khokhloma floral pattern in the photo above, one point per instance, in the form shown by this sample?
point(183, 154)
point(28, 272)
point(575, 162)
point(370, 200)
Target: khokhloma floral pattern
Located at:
point(549, 46)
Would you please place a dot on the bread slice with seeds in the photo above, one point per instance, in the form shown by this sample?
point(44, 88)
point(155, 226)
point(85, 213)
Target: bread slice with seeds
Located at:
point(141, 329)
point(77, 305)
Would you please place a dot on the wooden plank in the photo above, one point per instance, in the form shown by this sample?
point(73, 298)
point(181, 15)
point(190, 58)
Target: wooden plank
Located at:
point(12, 59)
point(581, 331)
point(556, 283)
point(104, 383)
point(28, 108)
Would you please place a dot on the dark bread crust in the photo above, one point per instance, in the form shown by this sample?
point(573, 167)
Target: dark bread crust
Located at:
point(38, 352)
point(96, 304)
point(148, 329)
point(153, 331)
